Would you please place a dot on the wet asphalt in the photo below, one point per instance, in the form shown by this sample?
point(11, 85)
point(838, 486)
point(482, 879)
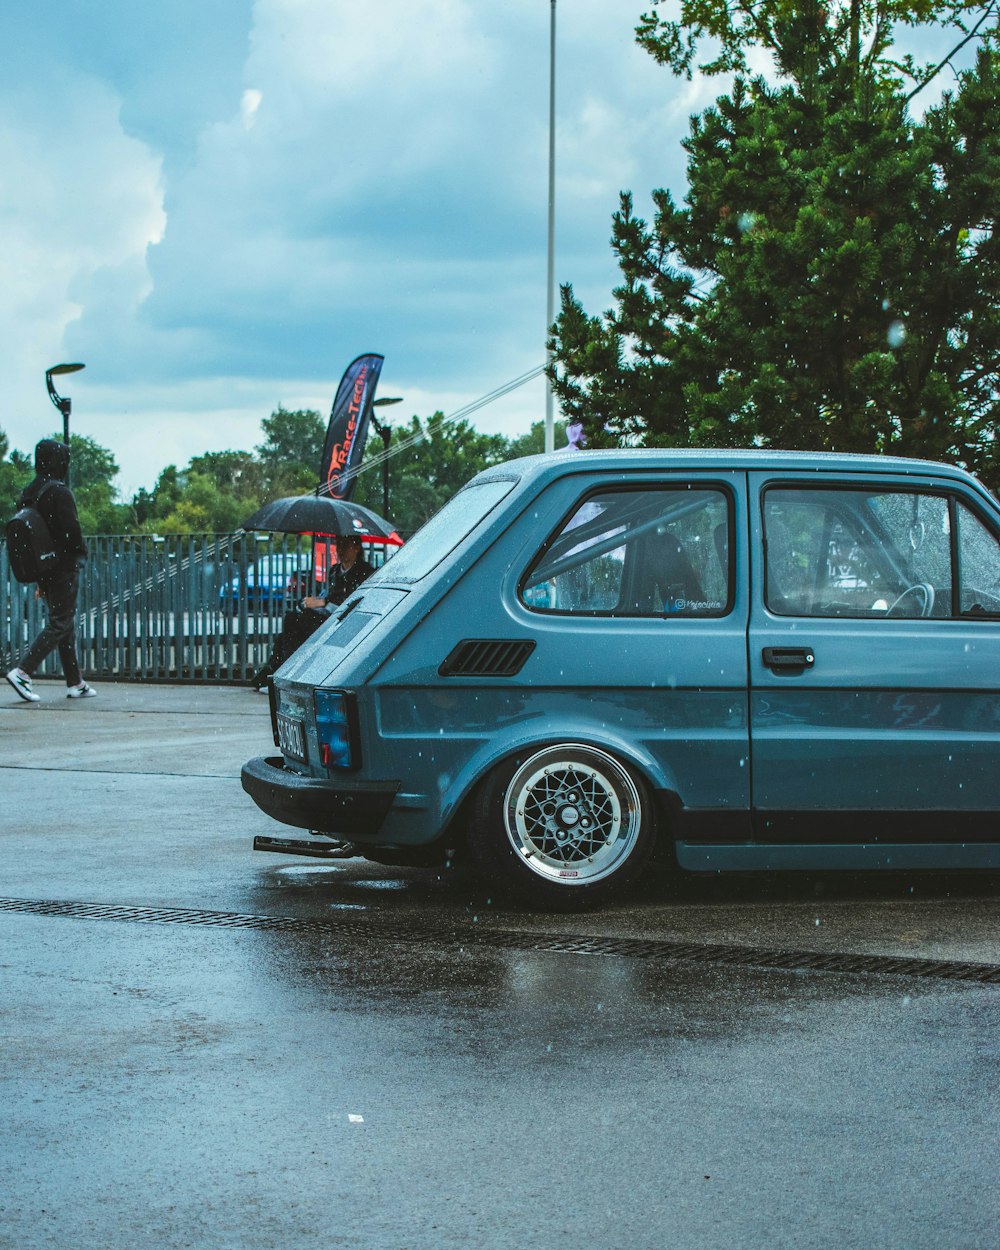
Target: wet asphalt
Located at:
point(179, 1069)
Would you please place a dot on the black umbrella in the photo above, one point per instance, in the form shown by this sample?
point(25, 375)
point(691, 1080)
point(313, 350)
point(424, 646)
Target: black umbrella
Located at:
point(321, 515)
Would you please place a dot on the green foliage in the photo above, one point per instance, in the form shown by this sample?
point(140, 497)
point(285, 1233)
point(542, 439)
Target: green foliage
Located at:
point(92, 470)
point(15, 474)
point(291, 451)
point(203, 507)
point(213, 494)
point(533, 443)
point(831, 280)
point(801, 36)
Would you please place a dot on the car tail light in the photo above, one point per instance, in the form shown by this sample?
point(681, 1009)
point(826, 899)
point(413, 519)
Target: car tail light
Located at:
point(337, 729)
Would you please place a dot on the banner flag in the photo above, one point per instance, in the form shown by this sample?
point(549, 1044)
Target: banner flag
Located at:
point(349, 417)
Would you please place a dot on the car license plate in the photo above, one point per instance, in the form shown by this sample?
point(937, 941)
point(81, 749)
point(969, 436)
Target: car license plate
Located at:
point(291, 737)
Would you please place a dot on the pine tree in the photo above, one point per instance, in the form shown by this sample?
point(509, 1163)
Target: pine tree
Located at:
point(831, 280)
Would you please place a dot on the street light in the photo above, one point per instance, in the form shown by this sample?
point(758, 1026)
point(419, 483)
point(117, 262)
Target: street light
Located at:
point(64, 405)
point(385, 432)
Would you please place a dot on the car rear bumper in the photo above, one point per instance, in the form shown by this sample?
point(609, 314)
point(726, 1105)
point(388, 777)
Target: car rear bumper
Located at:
point(352, 809)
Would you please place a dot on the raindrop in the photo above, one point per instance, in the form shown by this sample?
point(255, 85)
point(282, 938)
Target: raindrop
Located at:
point(746, 221)
point(896, 335)
point(906, 1000)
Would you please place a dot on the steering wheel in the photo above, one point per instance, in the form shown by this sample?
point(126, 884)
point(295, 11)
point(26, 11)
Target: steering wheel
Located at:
point(918, 588)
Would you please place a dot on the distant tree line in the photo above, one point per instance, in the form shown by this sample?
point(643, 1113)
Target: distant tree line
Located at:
point(216, 491)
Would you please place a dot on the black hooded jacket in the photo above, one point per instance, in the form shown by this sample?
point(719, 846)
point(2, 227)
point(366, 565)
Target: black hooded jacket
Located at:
point(344, 583)
point(57, 504)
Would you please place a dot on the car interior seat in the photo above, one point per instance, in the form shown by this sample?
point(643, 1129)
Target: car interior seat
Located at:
point(668, 582)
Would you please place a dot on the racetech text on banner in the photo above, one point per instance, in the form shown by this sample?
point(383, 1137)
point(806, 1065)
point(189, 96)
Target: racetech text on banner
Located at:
point(345, 435)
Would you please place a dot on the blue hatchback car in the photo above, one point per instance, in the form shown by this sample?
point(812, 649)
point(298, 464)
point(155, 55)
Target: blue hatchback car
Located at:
point(766, 660)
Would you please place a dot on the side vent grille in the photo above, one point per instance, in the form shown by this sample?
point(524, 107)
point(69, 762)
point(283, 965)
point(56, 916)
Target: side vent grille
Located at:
point(487, 657)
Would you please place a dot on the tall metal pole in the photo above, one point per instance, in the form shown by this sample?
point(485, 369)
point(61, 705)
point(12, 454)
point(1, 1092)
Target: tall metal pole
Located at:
point(385, 433)
point(550, 311)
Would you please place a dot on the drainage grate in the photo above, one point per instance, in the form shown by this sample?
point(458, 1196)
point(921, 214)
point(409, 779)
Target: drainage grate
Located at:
point(510, 939)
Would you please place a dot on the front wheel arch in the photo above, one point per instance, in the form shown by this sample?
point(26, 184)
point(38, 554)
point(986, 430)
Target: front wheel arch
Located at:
point(563, 825)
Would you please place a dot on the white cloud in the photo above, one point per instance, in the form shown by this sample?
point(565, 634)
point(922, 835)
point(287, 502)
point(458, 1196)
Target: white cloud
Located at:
point(249, 104)
point(80, 202)
point(378, 183)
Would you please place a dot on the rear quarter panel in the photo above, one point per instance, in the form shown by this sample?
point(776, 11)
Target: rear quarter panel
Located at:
point(669, 696)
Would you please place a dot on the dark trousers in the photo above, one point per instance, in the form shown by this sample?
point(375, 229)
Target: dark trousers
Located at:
point(296, 626)
point(60, 594)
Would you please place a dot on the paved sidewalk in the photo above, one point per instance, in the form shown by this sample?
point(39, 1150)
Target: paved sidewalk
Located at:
point(100, 794)
point(135, 727)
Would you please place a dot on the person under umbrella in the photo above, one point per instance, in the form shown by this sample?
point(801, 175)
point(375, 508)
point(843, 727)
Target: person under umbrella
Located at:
point(320, 514)
point(298, 623)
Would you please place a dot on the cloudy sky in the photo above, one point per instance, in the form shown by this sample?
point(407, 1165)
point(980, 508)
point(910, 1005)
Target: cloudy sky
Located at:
point(217, 206)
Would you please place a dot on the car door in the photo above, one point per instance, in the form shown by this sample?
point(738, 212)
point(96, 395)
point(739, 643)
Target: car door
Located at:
point(874, 658)
point(638, 602)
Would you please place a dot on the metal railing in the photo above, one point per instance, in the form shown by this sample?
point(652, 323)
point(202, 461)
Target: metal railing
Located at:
point(198, 607)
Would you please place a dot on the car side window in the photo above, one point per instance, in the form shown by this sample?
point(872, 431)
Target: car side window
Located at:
point(978, 565)
point(857, 553)
point(652, 552)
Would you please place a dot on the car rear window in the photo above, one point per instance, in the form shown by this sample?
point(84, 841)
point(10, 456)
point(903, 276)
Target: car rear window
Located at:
point(661, 551)
point(439, 536)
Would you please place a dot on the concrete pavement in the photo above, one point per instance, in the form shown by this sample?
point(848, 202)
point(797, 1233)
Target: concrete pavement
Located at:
point(99, 792)
point(180, 1069)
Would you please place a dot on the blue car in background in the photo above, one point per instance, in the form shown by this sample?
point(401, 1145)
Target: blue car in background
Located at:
point(264, 584)
point(754, 659)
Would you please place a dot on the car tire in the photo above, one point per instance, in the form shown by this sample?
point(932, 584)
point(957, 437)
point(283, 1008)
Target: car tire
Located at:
point(562, 827)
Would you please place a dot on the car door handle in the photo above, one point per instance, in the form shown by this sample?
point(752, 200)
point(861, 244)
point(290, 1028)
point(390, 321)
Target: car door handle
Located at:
point(786, 658)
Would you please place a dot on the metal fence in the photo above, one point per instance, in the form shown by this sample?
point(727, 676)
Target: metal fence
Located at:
point(198, 607)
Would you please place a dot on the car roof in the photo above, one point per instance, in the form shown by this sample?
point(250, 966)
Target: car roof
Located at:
point(571, 461)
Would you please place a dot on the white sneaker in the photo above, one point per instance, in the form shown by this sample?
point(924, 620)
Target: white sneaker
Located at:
point(83, 691)
point(22, 685)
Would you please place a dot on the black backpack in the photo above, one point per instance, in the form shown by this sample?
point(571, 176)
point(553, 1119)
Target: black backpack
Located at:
point(30, 546)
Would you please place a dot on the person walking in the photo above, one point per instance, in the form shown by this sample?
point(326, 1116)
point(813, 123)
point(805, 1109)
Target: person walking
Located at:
point(297, 624)
point(50, 494)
